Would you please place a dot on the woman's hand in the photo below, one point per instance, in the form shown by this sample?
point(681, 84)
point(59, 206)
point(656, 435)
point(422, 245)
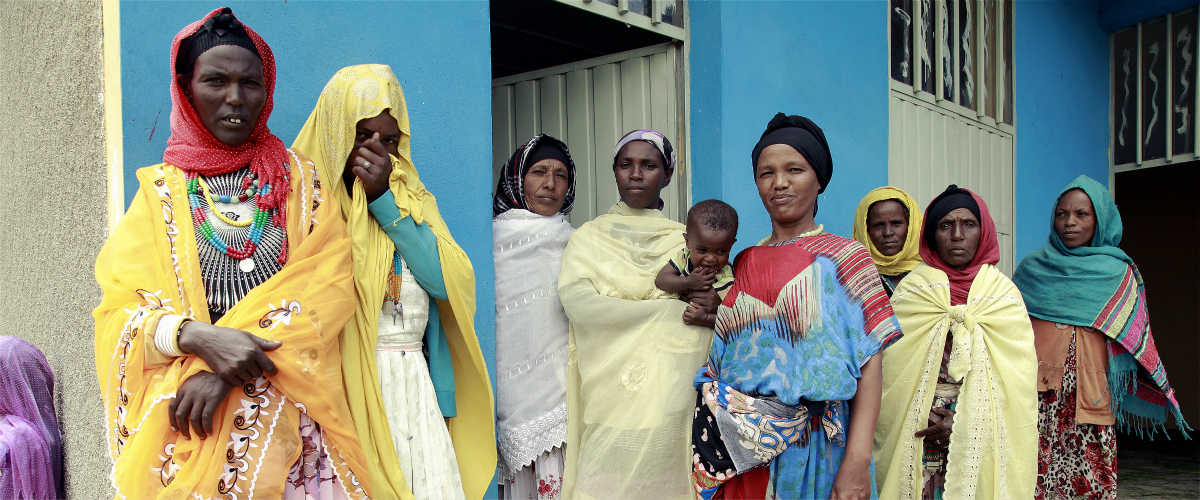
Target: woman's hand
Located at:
point(195, 403)
point(853, 480)
point(706, 299)
point(695, 316)
point(375, 178)
point(937, 435)
point(234, 355)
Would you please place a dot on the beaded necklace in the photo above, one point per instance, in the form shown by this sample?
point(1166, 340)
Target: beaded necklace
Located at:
point(209, 198)
point(205, 226)
point(391, 298)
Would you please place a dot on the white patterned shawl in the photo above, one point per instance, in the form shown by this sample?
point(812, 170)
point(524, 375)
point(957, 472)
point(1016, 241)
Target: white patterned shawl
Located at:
point(531, 336)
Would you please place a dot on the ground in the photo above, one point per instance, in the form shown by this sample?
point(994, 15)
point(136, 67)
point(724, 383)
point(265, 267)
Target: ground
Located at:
point(1158, 469)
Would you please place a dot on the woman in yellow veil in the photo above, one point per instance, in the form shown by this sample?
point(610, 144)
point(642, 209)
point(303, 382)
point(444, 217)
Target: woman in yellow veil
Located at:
point(888, 223)
point(414, 286)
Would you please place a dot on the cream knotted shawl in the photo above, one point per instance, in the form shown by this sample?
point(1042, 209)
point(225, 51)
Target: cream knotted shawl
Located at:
point(993, 445)
point(632, 361)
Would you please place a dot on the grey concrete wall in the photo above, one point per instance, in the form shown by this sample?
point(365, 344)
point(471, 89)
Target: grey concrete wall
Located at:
point(52, 210)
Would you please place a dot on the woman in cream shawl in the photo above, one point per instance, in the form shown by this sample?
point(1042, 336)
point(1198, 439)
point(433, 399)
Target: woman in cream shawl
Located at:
point(629, 390)
point(959, 386)
point(888, 223)
point(529, 233)
point(414, 286)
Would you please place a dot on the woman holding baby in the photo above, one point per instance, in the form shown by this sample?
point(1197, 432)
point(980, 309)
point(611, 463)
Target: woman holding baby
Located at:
point(795, 356)
point(631, 356)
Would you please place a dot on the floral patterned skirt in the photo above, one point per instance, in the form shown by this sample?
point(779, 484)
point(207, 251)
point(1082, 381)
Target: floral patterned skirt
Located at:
point(312, 476)
point(541, 480)
point(1074, 460)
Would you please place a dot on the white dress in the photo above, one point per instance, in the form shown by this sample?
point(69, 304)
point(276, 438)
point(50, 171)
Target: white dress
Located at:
point(418, 429)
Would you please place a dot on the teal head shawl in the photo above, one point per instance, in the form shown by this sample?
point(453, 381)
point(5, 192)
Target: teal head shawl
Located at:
point(1098, 285)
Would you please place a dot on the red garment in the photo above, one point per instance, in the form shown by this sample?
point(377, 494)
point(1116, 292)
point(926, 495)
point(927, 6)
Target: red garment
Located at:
point(988, 253)
point(752, 484)
point(193, 149)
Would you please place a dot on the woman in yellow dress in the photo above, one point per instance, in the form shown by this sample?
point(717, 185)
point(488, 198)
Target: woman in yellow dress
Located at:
point(415, 291)
point(226, 286)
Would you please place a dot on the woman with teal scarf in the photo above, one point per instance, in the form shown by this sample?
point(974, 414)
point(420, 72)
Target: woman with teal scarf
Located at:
point(1097, 364)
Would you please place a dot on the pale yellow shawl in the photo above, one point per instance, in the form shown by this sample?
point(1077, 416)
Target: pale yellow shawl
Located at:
point(355, 93)
point(632, 360)
point(909, 256)
point(993, 445)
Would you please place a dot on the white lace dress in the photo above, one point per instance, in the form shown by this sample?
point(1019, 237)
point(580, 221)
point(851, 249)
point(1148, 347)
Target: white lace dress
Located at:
point(418, 429)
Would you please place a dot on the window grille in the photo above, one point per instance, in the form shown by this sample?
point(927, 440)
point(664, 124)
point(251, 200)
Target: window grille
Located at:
point(1154, 75)
point(956, 54)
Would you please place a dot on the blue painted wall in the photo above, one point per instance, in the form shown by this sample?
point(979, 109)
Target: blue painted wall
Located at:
point(1061, 57)
point(440, 51)
point(826, 60)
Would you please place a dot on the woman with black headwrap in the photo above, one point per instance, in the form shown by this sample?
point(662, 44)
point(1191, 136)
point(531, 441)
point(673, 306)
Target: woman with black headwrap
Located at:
point(794, 358)
point(959, 387)
point(529, 234)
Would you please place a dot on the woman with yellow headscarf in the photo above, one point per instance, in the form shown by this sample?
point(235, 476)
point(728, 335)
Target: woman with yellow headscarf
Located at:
point(415, 288)
point(888, 223)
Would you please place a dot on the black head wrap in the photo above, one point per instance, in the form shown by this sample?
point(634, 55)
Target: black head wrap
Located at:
point(952, 198)
point(802, 135)
point(221, 29)
point(544, 150)
point(510, 190)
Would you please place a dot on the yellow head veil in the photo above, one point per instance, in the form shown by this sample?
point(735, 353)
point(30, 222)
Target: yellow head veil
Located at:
point(908, 258)
point(355, 93)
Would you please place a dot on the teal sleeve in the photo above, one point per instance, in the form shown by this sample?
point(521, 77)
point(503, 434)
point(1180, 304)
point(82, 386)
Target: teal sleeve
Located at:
point(416, 243)
point(441, 369)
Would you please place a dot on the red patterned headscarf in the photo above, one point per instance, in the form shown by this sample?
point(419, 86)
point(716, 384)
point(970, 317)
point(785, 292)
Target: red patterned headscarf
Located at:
point(988, 252)
point(193, 149)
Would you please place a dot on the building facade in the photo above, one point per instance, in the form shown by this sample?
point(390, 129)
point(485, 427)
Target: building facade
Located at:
point(1013, 99)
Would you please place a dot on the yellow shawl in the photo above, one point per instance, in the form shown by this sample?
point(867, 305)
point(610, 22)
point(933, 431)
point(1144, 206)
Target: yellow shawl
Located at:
point(631, 361)
point(909, 256)
point(993, 445)
point(149, 268)
point(355, 93)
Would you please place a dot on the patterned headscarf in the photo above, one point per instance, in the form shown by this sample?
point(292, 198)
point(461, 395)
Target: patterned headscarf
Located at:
point(193, 149)
point(655, 139)
point(510, 190)
point(987, 253)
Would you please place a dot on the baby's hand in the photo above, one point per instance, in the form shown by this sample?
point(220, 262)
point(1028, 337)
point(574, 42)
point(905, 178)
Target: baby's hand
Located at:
point(701, 278)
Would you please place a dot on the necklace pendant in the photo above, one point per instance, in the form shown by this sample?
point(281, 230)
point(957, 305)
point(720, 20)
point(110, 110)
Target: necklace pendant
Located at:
point(246, 265)
point(389, 307)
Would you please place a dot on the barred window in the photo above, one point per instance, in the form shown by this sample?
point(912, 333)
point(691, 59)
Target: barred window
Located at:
point(1154, 75)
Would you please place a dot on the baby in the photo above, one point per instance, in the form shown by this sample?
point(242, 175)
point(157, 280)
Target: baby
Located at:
point(704, 260)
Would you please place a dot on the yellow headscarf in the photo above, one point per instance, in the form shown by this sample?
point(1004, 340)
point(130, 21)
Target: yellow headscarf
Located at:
point(908, 258)
point(353, 94)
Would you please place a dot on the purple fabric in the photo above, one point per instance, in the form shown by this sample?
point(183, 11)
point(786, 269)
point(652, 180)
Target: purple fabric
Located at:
point(30, 441)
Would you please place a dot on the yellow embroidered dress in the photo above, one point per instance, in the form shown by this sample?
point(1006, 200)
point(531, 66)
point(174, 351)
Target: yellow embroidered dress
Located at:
point(150, 268)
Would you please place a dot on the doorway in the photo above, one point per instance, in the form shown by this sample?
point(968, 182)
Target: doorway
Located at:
point(587, 78)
